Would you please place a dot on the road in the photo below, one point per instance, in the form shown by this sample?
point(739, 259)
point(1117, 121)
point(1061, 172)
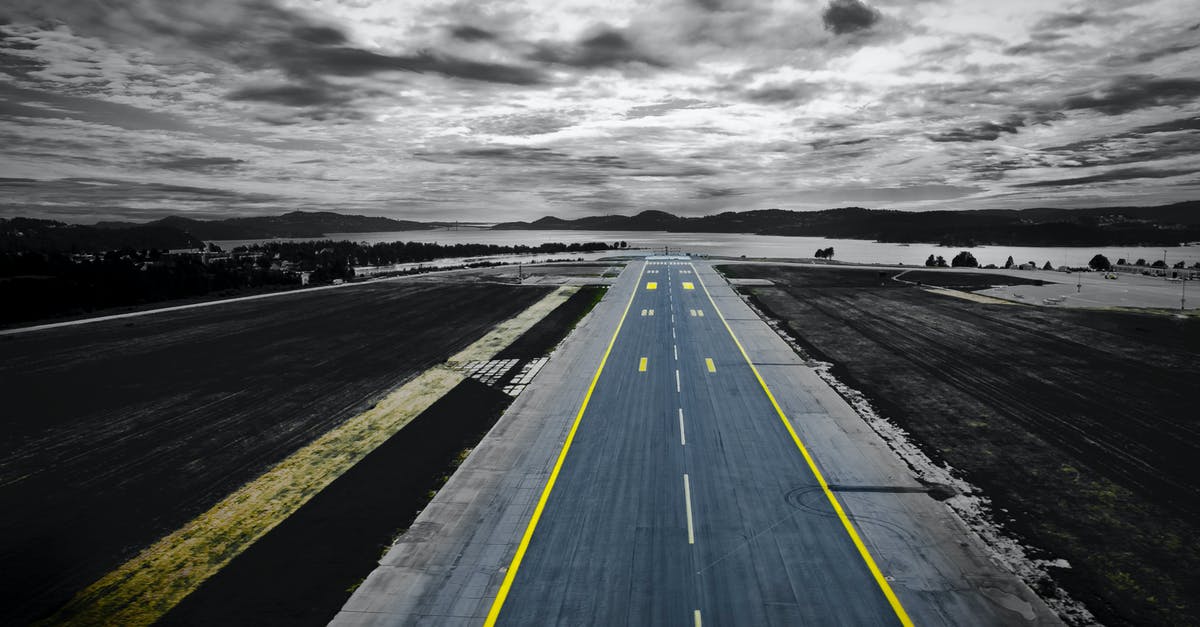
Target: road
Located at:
point(677, 498)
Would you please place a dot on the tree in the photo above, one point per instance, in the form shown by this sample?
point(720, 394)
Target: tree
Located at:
point(1159, 264)
point(1008, 264)
point(941, 262)
point(964, 259)
point(1122, 262)
point(931, 262)
point(820, 254)
point(1100, 262)
point(1140, 262)
point(829, 253)
point(824, 253)
point(1180, 264)
point(1047, 266)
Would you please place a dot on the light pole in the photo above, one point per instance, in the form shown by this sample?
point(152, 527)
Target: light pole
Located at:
point(1164, 264)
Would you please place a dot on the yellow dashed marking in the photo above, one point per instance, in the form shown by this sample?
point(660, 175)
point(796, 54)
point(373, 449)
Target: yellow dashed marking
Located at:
point(687, 285)
point(642, 365)
point(711, 366)
point(651, 285)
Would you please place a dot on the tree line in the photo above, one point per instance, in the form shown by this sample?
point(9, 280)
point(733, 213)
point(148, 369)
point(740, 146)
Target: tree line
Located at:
point(53, 283)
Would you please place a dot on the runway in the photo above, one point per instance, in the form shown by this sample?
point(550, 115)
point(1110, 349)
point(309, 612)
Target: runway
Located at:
point(575, 509)
point(678, 498)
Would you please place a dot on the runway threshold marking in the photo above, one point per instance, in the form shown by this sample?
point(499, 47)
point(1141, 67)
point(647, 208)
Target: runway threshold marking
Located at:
point(708, 362)
point(687, 503)
point(642, 365)
point(884, 586)
point(523, 546)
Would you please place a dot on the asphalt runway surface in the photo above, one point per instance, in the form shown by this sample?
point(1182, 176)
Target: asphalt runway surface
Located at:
point(678, 500)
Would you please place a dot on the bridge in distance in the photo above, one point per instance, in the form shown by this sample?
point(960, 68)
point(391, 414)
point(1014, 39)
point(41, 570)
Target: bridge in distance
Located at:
point(658, 479)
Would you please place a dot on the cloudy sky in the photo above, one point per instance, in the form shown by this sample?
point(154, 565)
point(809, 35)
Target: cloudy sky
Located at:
point(497, 110)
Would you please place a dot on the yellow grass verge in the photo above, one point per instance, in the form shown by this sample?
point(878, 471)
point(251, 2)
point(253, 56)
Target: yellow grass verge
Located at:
point(978, 298)
point(145, 588)
point(504, 333)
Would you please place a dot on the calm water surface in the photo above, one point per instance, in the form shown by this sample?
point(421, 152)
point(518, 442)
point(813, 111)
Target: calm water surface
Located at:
point(737, 244)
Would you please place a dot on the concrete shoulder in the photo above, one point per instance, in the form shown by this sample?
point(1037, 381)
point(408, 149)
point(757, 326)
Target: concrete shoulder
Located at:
point(942, 572)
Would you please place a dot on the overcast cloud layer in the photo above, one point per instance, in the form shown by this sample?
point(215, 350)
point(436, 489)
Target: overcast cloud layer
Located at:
point(499, 110)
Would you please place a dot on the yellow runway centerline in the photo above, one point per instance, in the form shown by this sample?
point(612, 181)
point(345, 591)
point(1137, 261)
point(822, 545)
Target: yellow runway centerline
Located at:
point(642, 365)
point(709, 362)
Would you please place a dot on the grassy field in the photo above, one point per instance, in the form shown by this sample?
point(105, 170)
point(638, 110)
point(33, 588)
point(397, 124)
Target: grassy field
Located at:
point(117, 433)
point(1081, 426)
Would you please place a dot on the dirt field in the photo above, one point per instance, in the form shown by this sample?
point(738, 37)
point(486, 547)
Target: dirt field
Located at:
point(302, 572)
point(1080, 425)
point(118, 432)
point(963, 280)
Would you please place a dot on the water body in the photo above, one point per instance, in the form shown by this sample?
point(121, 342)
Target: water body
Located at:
point(777, 246)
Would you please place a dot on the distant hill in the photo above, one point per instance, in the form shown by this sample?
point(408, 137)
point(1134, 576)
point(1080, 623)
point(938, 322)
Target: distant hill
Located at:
point(1165, 225)
point(294, 224)
point(29, 234)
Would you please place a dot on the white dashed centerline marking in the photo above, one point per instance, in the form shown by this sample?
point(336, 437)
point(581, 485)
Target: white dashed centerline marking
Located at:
point(682, 433)
point(687, 501)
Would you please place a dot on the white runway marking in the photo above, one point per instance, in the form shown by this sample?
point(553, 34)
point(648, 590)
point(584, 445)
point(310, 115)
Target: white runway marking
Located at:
point(687, 501)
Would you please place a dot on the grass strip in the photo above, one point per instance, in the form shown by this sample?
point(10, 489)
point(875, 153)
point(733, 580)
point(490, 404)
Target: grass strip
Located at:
point(146, 587)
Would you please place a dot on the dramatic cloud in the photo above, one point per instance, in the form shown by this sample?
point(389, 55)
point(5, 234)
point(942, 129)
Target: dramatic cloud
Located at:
point(512, 109)
point(984, 131)
point(1131, 93)
point(848, 16)
point(1112, 175)
point(201, 164)
point(471, 33)
point(604, 48)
